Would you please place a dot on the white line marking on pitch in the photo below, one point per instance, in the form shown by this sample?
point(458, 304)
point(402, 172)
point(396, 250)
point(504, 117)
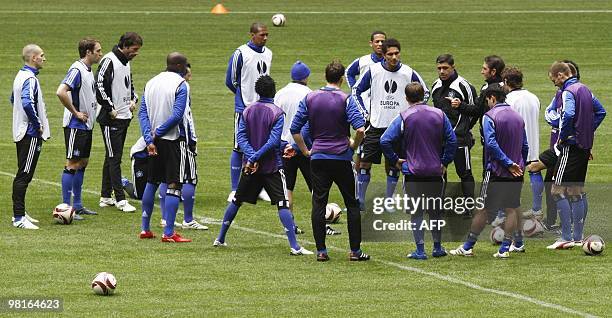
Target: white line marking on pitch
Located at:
point(442, 277)
point(307, 12)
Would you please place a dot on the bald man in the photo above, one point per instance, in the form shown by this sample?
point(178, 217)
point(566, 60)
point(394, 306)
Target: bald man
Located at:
point(30, 129)
point(164, 101)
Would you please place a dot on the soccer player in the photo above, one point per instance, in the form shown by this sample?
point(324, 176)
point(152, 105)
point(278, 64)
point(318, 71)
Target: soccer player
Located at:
point(330, 116)
point(246, 65)
point(78, 95)
point(161, 116)
point(548, 158)
point(188, 156)
point(288, 99)
point(505, 156)
point(30, 129)
point(581, 114)
point(360, 65)
point(259, 133)
point(117, 99)
point(428, 145)
point(491, 70)
point(387, 99)
point(528, 106)
point(140, 163)
point(455, 96)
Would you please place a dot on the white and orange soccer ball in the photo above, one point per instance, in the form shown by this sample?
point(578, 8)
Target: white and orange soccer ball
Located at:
point(104, 284)
point(593, 245)
point(278, 20)
point(532, 227)
point(497, 235)
point(332, 213)
point(63, 213)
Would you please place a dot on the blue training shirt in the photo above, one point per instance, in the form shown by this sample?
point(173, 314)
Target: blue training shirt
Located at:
point(354, 117)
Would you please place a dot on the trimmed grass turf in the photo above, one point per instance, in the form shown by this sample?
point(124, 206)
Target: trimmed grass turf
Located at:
point(255, 276)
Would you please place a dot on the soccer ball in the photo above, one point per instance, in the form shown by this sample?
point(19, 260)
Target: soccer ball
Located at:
point(332, 213)
point(532, 227)
point(63, 214)
point(104, 284)
point(593, 245)
point(497, 235)
point(278, 20)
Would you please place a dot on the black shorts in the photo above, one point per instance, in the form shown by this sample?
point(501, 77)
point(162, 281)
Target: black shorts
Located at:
point(140, 173)
point(549, 158)
point(189, 167)
point(359, 149)
point(237, 117)
point(371, 150)
point(166, 166)
point(291, 167)
point(78, 143)
point(427, 187)
point(250, 186)
point(501, 193)
point(571, 167)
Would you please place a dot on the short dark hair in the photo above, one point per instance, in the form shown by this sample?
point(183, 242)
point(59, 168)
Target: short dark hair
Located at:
point(265, 86)
point(573, 68)
point(129, 39)
point(176, 62)
point(495, 62)
point(256, 26)
point(513, 76)
point(334, 72)
point(560, 67)
point(376, 33)
point(391, 43)
point(498, 92)
point(414, 92)
point(87, 44)
point(445, 58)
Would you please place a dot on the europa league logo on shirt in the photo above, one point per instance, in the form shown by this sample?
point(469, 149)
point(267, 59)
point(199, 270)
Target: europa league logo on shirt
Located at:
point(262, 68)
point(390, 86)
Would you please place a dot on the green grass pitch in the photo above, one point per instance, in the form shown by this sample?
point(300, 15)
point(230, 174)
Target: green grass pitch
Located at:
point(256, 276)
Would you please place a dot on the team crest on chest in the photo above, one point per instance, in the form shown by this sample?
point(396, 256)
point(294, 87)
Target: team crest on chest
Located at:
point(390, 86)
point(262, 68)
